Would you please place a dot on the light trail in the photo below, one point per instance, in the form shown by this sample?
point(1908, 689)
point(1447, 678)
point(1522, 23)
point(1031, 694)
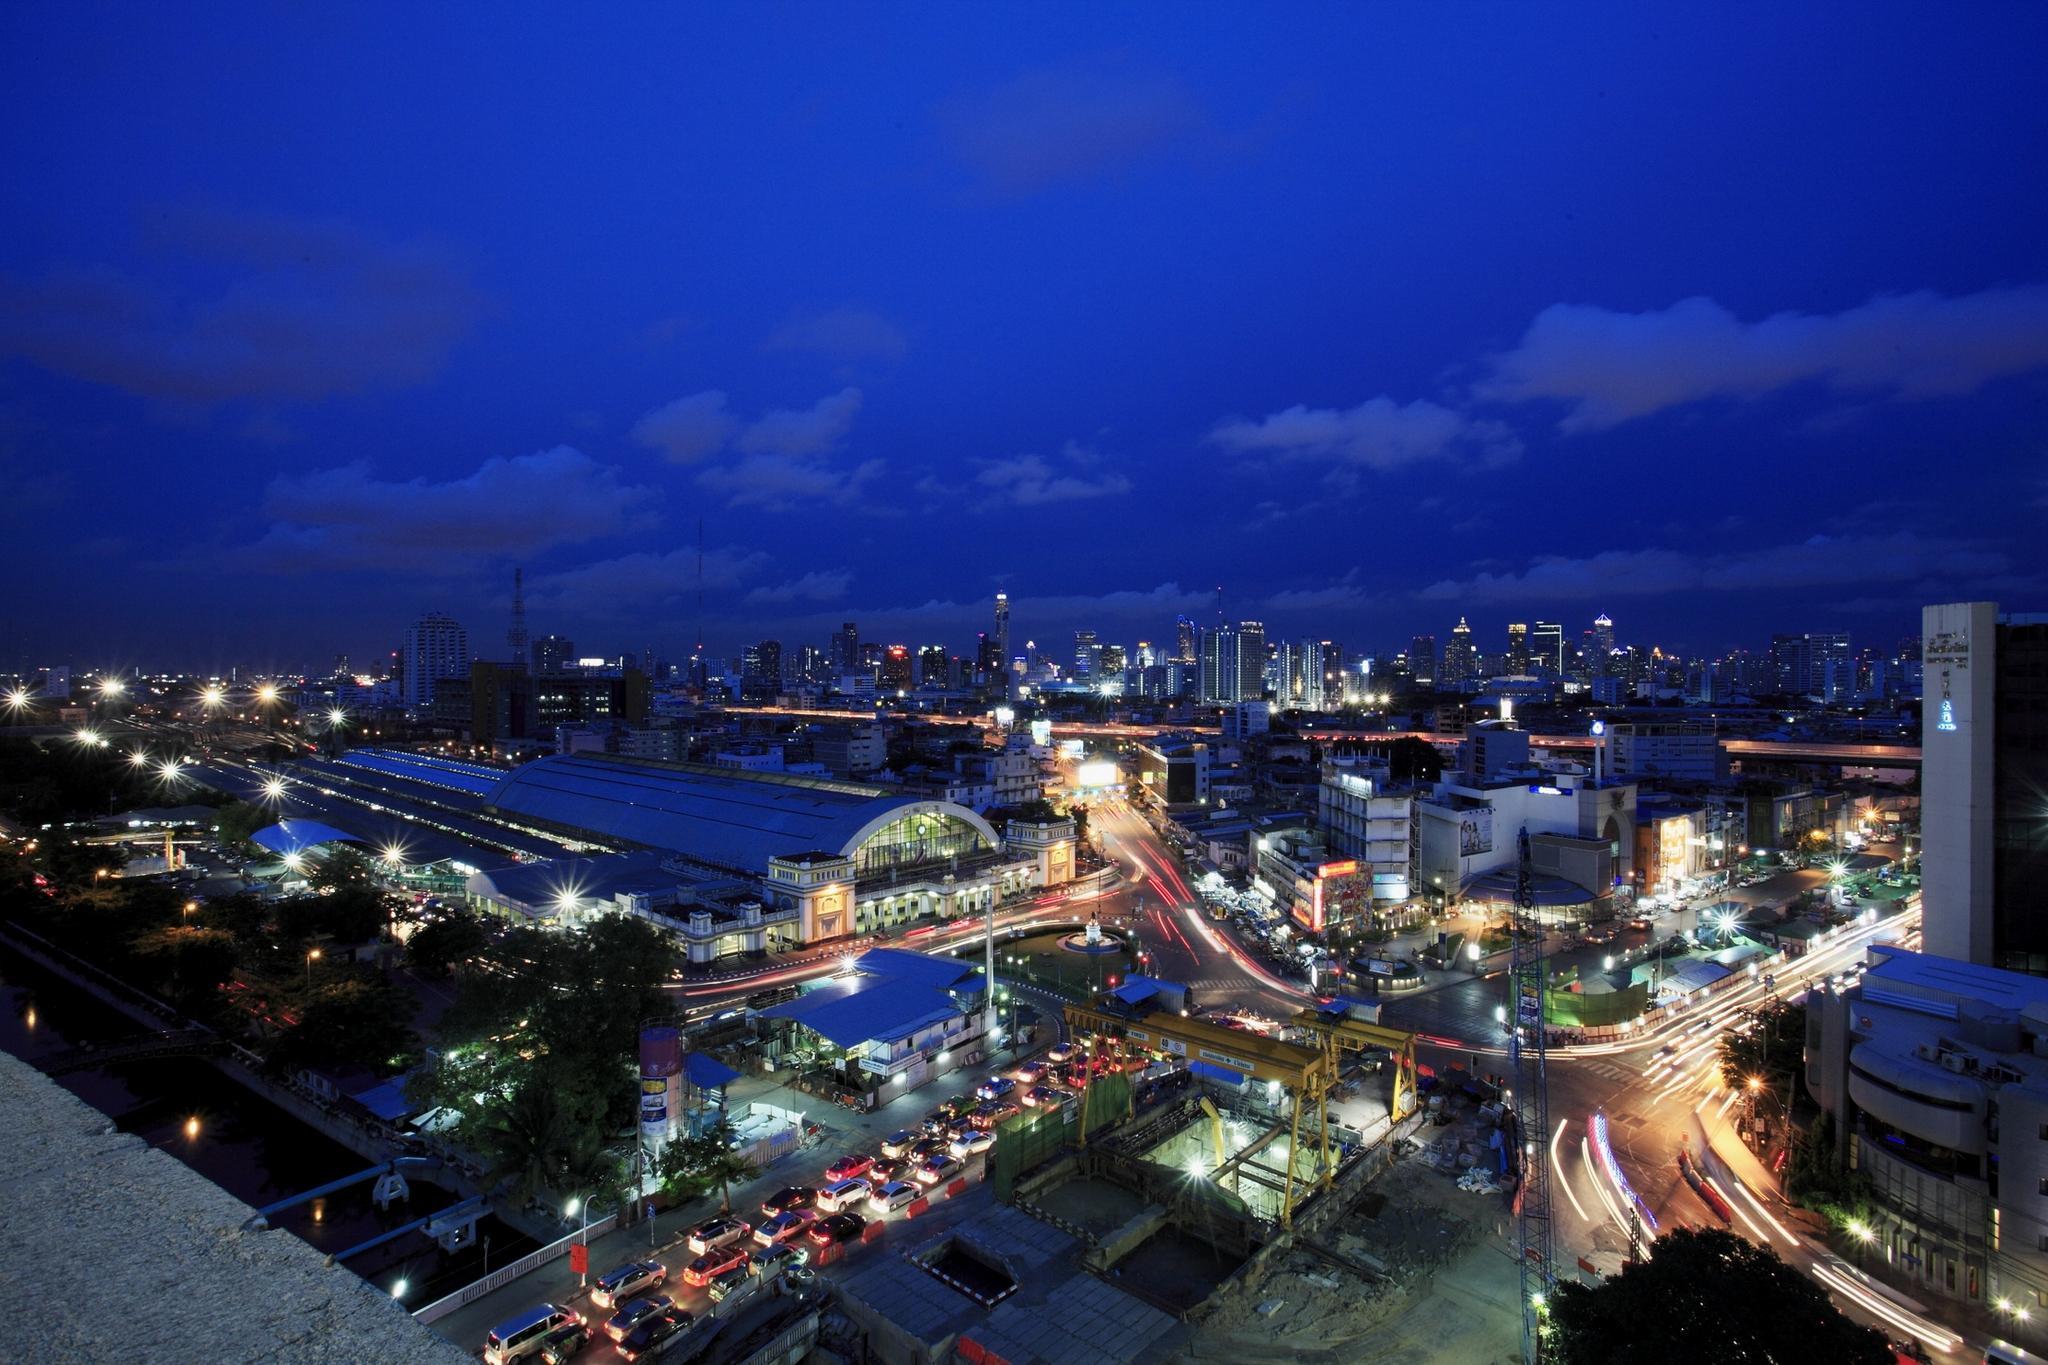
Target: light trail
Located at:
point(1563, 1180)
point(1930, 1334)
point(1765, 1213)
point(1600, 1188)
point(1598, 1126)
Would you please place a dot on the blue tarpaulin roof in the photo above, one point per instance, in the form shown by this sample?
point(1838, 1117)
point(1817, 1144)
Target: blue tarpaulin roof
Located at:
point(847, 1013)
point(386, 1101)
point(707, 1073)
point(1210, 1071)
point(921, 969)
point(1136, 990)
point(296, 836)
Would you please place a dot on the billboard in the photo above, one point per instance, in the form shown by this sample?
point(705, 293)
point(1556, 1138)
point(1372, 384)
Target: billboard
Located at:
point(661, 1066)
point(1097, 775)
point(1475, 832)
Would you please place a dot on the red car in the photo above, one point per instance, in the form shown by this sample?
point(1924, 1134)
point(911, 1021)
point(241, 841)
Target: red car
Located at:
point(700, 1271)
point(847, 1167)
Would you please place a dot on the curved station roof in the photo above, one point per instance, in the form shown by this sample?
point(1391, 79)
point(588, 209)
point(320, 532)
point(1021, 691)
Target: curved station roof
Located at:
point(722, 816)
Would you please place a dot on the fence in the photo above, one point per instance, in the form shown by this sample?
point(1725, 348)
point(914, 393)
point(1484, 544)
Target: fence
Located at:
point(505, 1274)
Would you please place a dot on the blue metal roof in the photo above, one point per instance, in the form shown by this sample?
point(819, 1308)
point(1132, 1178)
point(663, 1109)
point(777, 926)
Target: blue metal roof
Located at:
point(721, 816)
point(296, 836)
point(472, 778)
point(921, 969)
point(847, 1013)
point(707, 1073)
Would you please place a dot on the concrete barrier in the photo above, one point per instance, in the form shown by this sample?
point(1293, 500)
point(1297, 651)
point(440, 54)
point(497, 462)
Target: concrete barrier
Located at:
point(916, 1206)
point(873, 1232)
point(827, 1254)
point(957, 1188)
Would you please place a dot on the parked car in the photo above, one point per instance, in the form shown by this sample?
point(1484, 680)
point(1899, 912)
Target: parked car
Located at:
point(849, 1166)
point(939, 1169)
point(898, 1142)
point(893, 1196)
point(792, 1197)
point(784, 1226)
point(713, 1262)
point(636, 1311)
point(647, 1338)
point(841, 1193)
point(840, 1227)
point(718, 1232)
point(614, 1287)
point(995, 1087)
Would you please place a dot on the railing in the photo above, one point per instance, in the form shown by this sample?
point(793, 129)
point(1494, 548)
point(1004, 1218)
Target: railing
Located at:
point(505, 1274)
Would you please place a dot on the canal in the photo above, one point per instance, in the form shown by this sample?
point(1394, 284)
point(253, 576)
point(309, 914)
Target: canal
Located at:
point(240, 1141)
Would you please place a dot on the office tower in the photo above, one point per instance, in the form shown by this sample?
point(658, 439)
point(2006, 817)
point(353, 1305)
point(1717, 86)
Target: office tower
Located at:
point(553, 654)
point(1460, 668)
point(1184, 640)
point(516, 638)
point(1803, 665)
point(1086, 653)
point(1600, 646)
point(931, 665)
point(1546, 646)
point(895, 668)
point(1220, 674)
point(761, 664)
point(435, 648)
point(846, 648)
point(1148, 657)
point(1331, 668)
point(1518, 647)
point(1422, 660)
point(988, 660)
point(1984, 767)
point(1251, 660)
point(1110, 661)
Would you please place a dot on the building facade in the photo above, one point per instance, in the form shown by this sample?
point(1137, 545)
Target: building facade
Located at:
point(436, 647)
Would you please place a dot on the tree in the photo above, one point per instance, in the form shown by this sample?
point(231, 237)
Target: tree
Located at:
point(350, 1024)
point(200, 961)
point(1776, 1043)
point(545, 1134)
point(238, 820)
point(1705, 1296)
point(435, 947)
point(704, 1162)
point(1414, 760)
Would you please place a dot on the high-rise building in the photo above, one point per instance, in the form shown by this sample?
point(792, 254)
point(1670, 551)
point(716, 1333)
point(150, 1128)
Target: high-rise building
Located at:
point(1812, 663)
point(1086, 655)
point(1600, 645)
point(1219, 664)
point(1185, 641)
point(1546, 646)
point(553, 654)
point(1110, 662)
point(1518, 647)
point(1460, 669)
point(1003, 642)
point(895, 668)
point(846, 648)
point(762, 664)
point(989, 664)
point(1984, 767)
point(436, 647)
point(1331, 668)
point(1251, 660)
point(931, 665)
point(1422, 660)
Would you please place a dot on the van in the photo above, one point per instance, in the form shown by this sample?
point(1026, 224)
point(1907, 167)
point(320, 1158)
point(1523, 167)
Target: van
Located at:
point(521, 1336)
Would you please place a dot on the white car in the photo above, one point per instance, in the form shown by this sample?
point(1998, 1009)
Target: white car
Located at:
point(939, 1169)
point(894, 1196)
point(972, 1143)
point(840, 1193)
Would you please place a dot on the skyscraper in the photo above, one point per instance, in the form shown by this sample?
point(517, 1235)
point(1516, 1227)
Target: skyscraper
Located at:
point(1518, 647)
point(846, 648)
point(1184, 640)
point(1812, 664)
point(931, 665)
point(1219, 661)
point(1460, 668)
point(436, 647)
point(1984, 767)
point(1547, 646)
point(895, 668)
point(1422, 660)
point(553, 654)
point(1602, 645)
point(1086, 655)
point(1003, 642)
point(1251, 660)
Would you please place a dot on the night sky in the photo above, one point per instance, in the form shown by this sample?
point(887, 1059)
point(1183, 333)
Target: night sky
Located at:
point(313, 318)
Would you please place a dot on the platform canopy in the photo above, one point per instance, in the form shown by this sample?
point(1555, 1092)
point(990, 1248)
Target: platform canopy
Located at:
point(288, 837)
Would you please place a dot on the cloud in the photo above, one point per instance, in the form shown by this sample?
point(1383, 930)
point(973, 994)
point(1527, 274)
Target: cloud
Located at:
point(845, 334)
point(1610, 367)
point(828, 585)
point(1821, 561)
point(645, 580)
point(1379, 435)
point(349, 518)
point(688, 429)
point(1033, 481)
point(1150, 609)
point(246, 307)
point(1065, 124)
point(808, 431)
point(785, 481)
point(1348, 591)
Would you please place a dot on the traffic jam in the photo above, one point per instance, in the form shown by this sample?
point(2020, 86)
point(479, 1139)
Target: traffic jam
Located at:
point(638, 1306)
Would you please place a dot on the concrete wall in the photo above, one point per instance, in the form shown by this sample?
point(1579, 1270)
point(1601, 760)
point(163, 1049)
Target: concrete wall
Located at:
point(1957, 749)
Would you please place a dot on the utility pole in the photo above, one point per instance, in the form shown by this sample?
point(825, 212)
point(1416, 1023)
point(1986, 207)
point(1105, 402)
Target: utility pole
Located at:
point(1526, 1047)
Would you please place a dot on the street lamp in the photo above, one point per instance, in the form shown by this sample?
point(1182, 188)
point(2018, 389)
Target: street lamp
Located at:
point(312, 956)
point(579, 1208)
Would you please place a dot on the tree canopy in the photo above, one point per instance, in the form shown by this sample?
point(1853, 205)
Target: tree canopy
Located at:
point(1710, 1297)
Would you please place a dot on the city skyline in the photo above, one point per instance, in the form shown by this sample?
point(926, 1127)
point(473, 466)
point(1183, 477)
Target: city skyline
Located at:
point(1370, 336)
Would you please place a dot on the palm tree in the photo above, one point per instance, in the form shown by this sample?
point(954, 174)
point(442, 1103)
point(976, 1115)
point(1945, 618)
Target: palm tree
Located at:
point(517, 1139)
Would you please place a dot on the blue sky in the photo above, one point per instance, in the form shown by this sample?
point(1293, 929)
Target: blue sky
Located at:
point(311, 320)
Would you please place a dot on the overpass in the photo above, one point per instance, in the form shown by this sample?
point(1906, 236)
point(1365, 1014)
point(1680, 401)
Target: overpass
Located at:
point(190, 1042)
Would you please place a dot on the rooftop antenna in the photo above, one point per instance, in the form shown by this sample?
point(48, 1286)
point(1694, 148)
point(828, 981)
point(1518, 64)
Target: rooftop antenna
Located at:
point(1219, 604)
point(697, 668)
point(517, 637)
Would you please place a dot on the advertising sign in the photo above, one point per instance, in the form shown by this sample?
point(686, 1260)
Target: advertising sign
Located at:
point(1475, 832)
